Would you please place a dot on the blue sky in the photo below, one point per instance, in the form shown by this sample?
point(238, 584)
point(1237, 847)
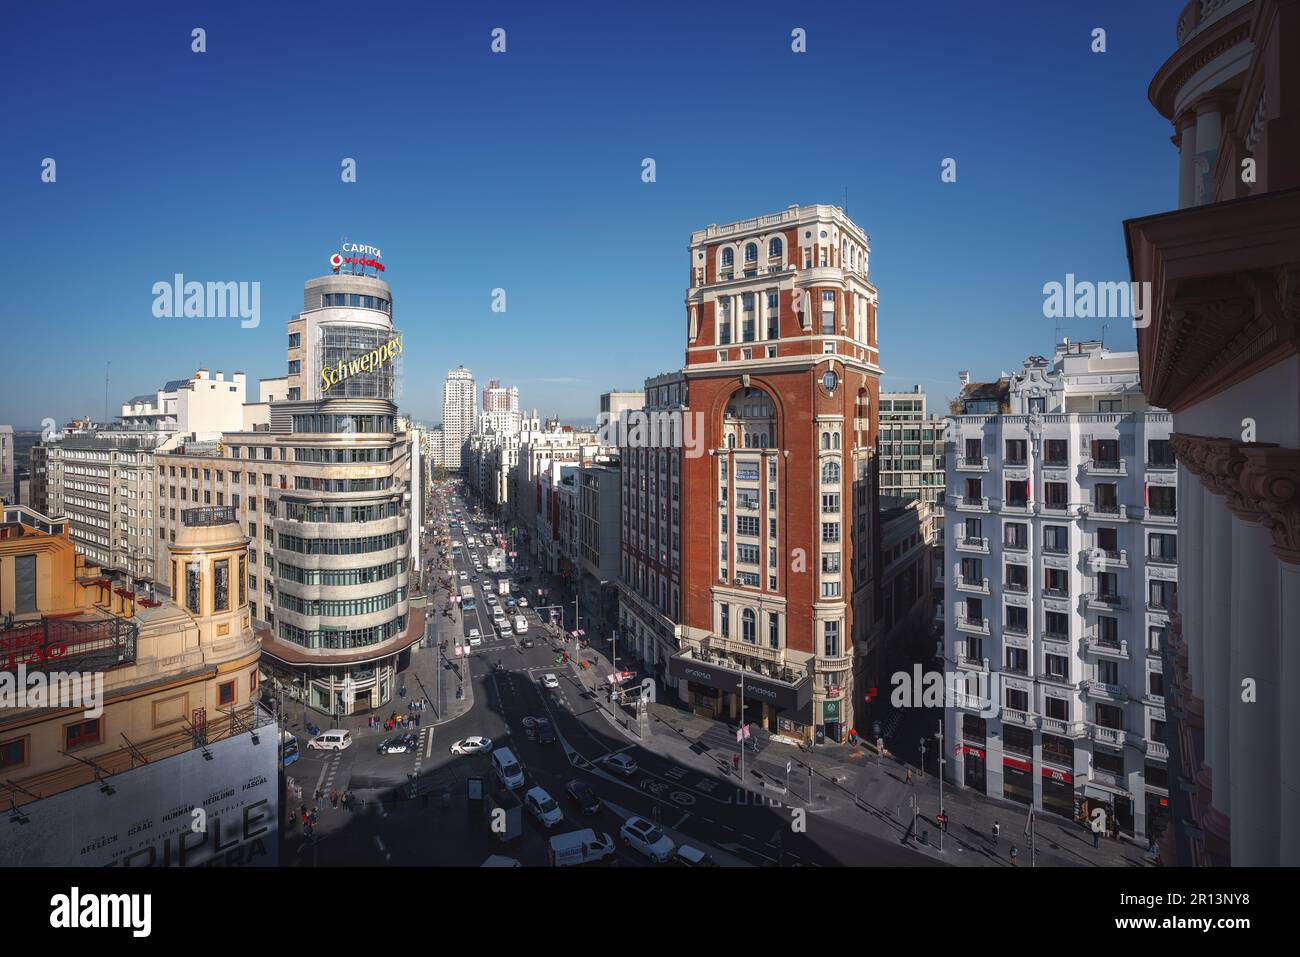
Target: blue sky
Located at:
point(522, 171)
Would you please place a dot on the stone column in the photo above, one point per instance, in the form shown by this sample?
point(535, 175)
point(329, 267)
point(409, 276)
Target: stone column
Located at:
point(1209, 131)
point(1271, 479)
point(1186, 139)
point(1256, 688)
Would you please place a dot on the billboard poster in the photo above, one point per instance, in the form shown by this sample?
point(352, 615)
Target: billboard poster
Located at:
point(182, 811)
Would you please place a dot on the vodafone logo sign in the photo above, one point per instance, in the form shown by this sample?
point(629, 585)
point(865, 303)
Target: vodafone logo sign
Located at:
point(336, 261)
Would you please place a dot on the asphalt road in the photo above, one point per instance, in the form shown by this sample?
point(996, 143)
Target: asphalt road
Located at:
point(708, 810)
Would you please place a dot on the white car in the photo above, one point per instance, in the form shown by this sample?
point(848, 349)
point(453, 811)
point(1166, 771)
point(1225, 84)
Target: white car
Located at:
point(646, 837)
point(472, 745)
point(550, 681)
point(523, 601)
point(491, 599)
point(475, 639)
point(464, 576)
point(543, 807)
point(622, 764)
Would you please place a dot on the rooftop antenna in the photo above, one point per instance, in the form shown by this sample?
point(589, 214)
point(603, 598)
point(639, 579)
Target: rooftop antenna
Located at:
point(107, 366)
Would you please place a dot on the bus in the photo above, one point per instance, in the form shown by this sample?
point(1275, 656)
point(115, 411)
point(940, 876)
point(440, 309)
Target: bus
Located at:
point(288, 749)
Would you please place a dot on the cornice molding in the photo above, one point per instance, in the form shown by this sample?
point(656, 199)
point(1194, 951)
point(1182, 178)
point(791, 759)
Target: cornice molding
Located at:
point(1271, 479)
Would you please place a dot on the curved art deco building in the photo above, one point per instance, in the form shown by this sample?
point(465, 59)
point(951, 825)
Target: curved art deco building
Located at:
point(322, 484)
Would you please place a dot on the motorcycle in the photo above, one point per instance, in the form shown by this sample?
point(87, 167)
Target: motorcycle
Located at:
point(312, 729)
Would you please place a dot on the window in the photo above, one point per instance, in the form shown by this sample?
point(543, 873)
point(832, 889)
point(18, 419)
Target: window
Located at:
point(226, 693)
point(1108, 630)
point(1037, 404)
point(1056, 667)
point(830, 533)
point(831, 562)
point(747, 627)
point(1107, 762)
point(831, 473)
point(1108, 672)
point(1162, 595)
point(773, 631)
point(1017, 700)
point(747, 525)
point(194, 587)
point(831, 639)
point(1159, 453)
point(830, 589)
point(724, 620)
point(221, 585)
point(1057, 625)
point(830, 502)
point(1162, 548)
point(295, 340)
point(82, 734)
point(1156, 684)
point(1057, 452)
point(1016, 452)
point(1056, 494)
point(13, 754)
point(1110, 405)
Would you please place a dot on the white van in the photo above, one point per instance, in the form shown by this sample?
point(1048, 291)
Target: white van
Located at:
point(579, 847)
point(332, 740)
point(521, 624)
point(508, 768)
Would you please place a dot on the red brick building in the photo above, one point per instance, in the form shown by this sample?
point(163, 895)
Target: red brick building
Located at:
point(777, 512)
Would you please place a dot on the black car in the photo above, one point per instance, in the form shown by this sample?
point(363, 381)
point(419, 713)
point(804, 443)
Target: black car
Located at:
point(581, 794)
point(545, 734)
point(402, 744)
point(526, 641)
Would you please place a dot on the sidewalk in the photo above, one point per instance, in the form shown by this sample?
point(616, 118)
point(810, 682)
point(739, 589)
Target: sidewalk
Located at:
point(875, 796)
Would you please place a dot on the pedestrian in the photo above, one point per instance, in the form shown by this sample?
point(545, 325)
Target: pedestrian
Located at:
point(334, 798)
point(320, 798)
point(1096, 838)
point(909, 775)
point(735, 762)
point(997, 831)
point(1014, 851)
point(417, 720)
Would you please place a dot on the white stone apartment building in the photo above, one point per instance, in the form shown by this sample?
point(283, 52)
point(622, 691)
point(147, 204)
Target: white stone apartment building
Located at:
point(459, 407)
point(1060, 567)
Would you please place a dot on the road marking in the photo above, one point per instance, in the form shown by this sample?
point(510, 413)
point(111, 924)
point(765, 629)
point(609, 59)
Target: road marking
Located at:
point(428, 744)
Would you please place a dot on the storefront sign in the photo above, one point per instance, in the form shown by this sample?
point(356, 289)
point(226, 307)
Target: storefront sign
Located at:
point(779, 695)
point(967, 749)
point(1017, 764)
point(1063, 776)
point(357, 256)
point(830, 711)
point(371, 361)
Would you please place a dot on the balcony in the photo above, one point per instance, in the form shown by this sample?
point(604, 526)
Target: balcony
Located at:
point(1105, 512)
point(1104, 558)
point(1106, 467)
point(1162, 514)
point(980, 464)
point(1104, 735)
point(964, 504)
point(1049, 549)
point(1055, 507)
point(1107, 602)
point(1023, 719)
point(1016, 588)
point(1050, 635)
point(980, 587)
point(1016, 507)
point(1020, 629)
point(1158, 750)
point(969, 544)
point(1056, 592)
point(1114, 649)
point(1162, 560)
point(971, 702)
point(1066, 729)
point(1015, 546)
point(972, 626)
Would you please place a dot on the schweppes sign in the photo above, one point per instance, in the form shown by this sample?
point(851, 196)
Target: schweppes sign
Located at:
point(371, 361)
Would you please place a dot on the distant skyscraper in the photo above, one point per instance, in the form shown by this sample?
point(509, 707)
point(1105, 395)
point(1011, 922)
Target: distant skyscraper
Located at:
point(458, 413)
point(501, 409)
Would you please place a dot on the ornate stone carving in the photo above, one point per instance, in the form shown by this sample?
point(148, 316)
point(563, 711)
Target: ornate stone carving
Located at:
point(1271, 481)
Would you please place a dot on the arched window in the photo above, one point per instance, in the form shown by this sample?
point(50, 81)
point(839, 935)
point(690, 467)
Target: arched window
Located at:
point(835, 440)
point(747, 631)
point(831, 473)
point(826, 440)
point(844, 251)
point(774, 248)
point(731, 440)
point(751, 253)
point(728, 257)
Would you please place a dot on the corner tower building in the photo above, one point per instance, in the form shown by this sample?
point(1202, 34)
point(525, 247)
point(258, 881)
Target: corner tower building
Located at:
point(782, 374)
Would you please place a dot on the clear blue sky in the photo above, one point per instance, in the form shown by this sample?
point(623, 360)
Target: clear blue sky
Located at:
point(522, 171)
